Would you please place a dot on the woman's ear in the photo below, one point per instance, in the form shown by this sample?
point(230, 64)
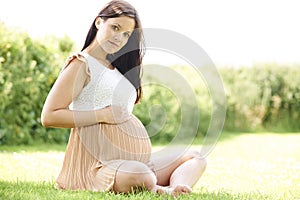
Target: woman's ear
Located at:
point(98, 21)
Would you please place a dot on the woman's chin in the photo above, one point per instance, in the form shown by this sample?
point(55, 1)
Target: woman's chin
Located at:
point(111, 50)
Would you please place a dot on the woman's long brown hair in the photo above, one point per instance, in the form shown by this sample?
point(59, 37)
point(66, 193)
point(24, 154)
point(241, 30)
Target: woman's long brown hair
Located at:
point(127, 60)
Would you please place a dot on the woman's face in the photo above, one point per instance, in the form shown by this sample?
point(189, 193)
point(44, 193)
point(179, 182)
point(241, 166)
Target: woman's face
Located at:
point(113, 33)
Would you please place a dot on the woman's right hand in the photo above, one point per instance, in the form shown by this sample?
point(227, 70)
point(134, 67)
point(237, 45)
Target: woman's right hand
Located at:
point(114, 115)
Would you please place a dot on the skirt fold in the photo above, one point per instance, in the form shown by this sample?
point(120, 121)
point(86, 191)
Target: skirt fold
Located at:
point(94, 154)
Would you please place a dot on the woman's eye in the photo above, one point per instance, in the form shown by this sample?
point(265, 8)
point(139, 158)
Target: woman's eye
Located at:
point(126, 35)
point(115, 28)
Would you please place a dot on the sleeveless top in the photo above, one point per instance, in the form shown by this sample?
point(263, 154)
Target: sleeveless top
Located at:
point(106, 87)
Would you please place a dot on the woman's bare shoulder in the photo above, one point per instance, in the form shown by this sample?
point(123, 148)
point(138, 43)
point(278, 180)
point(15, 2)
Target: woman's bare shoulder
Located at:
point(78, 63)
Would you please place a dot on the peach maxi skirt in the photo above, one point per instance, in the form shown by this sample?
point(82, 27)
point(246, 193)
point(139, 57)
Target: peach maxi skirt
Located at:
point(94, 154)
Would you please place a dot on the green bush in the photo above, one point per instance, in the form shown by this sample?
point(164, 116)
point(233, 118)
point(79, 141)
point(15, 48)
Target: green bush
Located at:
point(166, 102)
point(28, 69)
point(265, 96)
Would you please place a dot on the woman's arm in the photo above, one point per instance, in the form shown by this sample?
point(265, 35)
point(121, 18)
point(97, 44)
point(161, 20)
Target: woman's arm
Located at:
point(68, 85)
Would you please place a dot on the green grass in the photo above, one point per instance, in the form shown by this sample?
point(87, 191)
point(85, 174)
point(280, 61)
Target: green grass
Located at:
point(241, 166)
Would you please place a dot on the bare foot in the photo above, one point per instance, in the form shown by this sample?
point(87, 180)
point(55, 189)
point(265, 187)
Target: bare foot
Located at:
point(181, 189)
point(174, 191)
point(163, 190)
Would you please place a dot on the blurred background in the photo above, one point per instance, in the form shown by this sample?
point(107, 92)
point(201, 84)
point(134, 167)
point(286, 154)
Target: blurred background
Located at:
point(255, 46)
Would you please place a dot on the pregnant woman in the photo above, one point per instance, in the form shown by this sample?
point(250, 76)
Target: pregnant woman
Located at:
point(94, 95)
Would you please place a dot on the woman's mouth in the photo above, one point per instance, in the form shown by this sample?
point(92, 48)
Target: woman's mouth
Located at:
point(114, 44)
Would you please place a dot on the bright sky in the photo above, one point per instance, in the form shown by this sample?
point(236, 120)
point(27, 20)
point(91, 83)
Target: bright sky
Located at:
point(232, 32)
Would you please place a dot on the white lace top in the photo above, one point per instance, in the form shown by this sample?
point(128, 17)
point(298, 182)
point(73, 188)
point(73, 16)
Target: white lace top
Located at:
point(106, 87)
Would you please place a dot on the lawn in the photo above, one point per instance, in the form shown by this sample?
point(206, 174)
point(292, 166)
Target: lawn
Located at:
point(241, 166)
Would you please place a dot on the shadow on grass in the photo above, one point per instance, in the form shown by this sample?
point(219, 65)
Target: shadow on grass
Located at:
point(229, 135)
point(46, 190)
point(45, 147)
point(38, 147)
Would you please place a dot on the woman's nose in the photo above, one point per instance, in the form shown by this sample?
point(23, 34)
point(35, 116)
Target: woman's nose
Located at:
point(118, 37)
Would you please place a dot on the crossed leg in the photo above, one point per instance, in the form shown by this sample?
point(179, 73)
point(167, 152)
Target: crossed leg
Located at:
point(175, 174)
point(178, 171)
point(132, 175)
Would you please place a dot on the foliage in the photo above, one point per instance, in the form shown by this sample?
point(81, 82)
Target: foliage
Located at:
point(262, 97)
point(168, 99)
point(28, 69)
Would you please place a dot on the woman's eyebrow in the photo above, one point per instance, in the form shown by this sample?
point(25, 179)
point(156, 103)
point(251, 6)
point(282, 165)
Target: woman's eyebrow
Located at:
point(118, 25)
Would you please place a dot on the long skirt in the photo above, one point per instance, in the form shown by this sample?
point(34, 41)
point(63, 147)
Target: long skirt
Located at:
point(94, 154)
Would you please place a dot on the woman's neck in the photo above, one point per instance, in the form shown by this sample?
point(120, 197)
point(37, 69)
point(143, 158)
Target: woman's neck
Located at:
point(97, 52)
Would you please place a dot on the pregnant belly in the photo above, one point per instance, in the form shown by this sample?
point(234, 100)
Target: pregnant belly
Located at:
point(128, 141)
